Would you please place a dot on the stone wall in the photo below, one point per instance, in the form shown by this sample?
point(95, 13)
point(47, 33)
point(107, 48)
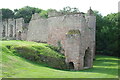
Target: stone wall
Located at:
point(72, 49)
point(1, 26)
point(79, 48)
point(38, 30)
point(19, 28)
point(59, 26)
point(24, 31)
point(91, 20)
point(12, 29)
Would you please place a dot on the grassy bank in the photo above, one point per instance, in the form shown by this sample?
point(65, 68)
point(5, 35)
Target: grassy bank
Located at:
point(16, 66)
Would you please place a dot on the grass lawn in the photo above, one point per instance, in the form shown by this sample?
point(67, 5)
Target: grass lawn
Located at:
point(14, 66)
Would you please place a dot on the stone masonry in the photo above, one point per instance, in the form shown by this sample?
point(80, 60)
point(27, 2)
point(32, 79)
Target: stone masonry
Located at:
point(12, 29)
point(74, 32)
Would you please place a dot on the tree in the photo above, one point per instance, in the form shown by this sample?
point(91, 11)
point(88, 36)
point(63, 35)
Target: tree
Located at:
point(7, 13)
point(99, 34)
point(107, 33)
point(112, 30)
point(68, 9)
point(44, 14)
point(26, 12)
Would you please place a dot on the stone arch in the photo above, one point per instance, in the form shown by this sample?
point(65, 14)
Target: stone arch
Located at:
point(87, 57)
point(71, 65)
point(11, 31)
point(19, 35)
point(14, 35)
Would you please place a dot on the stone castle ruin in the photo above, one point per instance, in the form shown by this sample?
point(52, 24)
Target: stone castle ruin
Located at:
point(12, 29)
point(74, 32)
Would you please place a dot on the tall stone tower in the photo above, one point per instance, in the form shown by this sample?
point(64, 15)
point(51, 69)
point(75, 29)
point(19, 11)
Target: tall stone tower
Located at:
point(91, 20)
point(80, 43)
point(72, 50)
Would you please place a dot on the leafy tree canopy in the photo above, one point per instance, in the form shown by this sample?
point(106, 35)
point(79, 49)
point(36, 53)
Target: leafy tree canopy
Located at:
point(26, 12)
point(68, 9)
point(107, 33)
point(7, 13)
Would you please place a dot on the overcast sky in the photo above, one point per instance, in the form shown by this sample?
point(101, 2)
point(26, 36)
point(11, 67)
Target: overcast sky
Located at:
point(103, 6)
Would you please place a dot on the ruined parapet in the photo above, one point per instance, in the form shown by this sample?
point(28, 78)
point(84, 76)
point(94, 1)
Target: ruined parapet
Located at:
point(72, 50)
point(54, 13)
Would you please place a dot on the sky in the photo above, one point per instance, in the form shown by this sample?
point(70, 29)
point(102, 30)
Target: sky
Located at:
point(103, 6)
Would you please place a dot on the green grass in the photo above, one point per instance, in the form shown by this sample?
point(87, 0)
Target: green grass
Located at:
point(17, 67)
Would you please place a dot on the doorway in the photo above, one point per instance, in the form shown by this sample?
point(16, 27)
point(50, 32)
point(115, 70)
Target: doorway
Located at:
point(71, 65)
point(87, 57)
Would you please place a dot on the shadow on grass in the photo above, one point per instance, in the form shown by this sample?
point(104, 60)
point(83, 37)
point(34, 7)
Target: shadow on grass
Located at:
point(106, 63)
point(105, 66)
point(100, 66)
point(39, 63)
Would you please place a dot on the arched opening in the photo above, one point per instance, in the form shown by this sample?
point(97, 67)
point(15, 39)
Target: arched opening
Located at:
point(11, 31)
point(87, 57)
point(71, 65)
point(3, 33)
point(19, 35)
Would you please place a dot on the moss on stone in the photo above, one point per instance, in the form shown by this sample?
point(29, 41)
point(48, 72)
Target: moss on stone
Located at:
point(73, 32)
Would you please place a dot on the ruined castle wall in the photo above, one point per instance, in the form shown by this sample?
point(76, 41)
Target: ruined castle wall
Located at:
point(60, 25)
point(24, 31)
point(11, 28)
point(19, 24)
point(1, 29)
point(38, 30)
point(5, 26)
point(19, 28)
point(91, 24)
point(1, 26)
point(72, 46)
point(84, 41)
point(72, 50)
point(92, 31)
